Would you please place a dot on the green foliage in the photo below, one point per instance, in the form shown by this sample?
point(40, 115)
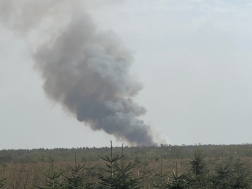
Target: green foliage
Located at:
point(53, 178)
point(119, 175)
point(197, 163)
point(2, 183)
point(221, 178)
point(139, 167)
point(197, 173)
point(91, 154)
point(231, 175)
point(159, 178)
point(239, 175)
point(74, 180)
point(177, 180)
point(147, 173)
point(110, 180)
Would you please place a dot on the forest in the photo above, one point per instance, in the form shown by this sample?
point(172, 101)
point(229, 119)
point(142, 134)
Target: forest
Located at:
point(165, 166)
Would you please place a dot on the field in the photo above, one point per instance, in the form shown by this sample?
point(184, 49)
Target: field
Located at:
point(156, 167)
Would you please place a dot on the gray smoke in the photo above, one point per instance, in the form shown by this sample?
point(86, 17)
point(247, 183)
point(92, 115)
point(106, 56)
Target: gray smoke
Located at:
point(85, 70)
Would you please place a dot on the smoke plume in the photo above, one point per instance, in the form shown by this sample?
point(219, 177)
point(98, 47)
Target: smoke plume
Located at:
point(85, 70)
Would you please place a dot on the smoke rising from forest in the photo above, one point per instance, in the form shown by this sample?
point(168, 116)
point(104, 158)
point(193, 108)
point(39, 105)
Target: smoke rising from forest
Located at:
point(85, 70)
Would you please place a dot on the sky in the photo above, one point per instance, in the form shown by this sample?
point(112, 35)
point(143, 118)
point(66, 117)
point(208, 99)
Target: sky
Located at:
point(193, 58)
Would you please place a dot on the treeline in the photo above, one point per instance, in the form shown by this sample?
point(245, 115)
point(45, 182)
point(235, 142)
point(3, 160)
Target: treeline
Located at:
point(151, 152)
point(116, 171)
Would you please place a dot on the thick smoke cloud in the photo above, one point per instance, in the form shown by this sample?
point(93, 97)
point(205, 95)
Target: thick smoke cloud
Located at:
point(85, 70)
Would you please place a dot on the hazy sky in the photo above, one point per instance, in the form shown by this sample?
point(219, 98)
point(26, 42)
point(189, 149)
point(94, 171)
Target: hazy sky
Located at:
point(193, 58)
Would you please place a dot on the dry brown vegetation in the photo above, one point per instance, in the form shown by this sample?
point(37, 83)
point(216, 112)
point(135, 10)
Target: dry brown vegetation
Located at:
point(29, 175)
point(148, 165)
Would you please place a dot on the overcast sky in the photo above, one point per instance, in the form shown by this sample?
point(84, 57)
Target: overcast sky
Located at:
point(193, 58)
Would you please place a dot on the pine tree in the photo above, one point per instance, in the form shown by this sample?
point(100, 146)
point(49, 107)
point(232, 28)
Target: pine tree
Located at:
point(239, 176)
point(125, 175)
point(176, 180)
point(159, 178)
point(111, 162)
point(146, 174)
point(2, 183)
point(74, 180)
point(53, 178)
point(120, 175)
point(196, 177)
point(221, 179)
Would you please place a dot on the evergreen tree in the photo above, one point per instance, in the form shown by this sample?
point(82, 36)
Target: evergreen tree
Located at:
point(159, 178)
point(111, 163)
point(53, 180)
point(221, 179)
point(239, 177)
point(196, 178)
point(147, 174)
point(2, 183)
point(74, 180)
point(119, 175)
point(176, 180)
